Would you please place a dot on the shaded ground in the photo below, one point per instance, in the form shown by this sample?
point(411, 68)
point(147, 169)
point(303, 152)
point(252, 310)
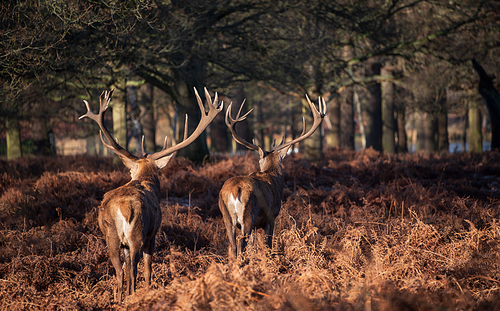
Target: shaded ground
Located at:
point(357, 231)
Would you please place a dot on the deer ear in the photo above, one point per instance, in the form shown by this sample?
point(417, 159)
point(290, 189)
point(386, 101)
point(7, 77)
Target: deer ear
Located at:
point(262, 152)
point(284, 152)
point(161, 162)
point(130, 163)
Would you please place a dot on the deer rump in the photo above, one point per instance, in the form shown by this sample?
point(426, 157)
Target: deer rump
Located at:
point(130, 209)
point(249, 202)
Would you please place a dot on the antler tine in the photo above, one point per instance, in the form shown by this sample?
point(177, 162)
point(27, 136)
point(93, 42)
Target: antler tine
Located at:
point(322, 106)
point(283, 137)
point(105, 143)
point(198, 99)
point(239, 112)
point(318, 117)
point(238, 118)
point(104, 100)
point(142, 145)
point(206, 117)
point(231, 123)
point(208, 98)
point(165, 143)
point(185, 128)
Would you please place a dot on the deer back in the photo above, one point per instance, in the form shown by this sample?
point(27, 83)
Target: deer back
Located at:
point(269, 187)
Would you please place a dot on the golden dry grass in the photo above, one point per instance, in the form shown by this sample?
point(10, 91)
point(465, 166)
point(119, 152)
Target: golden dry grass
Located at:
point(357, 231)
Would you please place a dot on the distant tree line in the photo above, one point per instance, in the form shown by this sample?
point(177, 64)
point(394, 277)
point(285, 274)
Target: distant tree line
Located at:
point(375, 62)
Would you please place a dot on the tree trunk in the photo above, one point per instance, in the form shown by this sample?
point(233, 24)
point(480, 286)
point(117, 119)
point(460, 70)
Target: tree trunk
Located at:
point(335, 120)
point(430, 130)
point(491, 98)
point(145, 97)
point(13, 138)
point(219, 135)
point(347, 126)
point(373, 108)
point(388, 120)
point(91, 145)
point(119, 104)
point(464, 133)
point(347, 118)
point(401, 121)
point(40, 136)
point(475, 137)
point(442, 128)
point(420, 125)
point(188, 77)
point(361, 120)
point(259, 122)
point(188, 105)
point(295, 125)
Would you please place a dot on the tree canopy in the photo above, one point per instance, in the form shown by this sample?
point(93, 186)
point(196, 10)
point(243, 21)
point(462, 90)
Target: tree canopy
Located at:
point(68, 48)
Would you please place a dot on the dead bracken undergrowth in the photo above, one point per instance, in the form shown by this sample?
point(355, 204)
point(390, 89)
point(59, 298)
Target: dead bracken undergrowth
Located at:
point(357, 231)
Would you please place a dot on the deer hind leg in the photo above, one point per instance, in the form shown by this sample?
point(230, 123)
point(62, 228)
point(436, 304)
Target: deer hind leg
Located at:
point(230, 224)
point(231, 235)
point(148, 258)
point(132, 260)
point(114, 256)
point(126, 268)
point(246, 236)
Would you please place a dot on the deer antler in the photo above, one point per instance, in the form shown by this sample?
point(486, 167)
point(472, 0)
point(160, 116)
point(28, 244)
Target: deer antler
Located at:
point(104, 100)
point(231, 123)
point(317, 116)
point(317, 119)
point(214, 108)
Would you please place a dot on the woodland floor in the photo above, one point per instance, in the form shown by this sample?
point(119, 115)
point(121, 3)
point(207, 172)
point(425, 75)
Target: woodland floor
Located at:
point(357, 231)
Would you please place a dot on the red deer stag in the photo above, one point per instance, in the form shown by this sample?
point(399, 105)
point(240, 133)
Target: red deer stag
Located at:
point(130, 216)
point(254, 201)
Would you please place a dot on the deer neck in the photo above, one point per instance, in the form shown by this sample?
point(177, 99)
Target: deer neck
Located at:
point(147, 174)
point(272, 168)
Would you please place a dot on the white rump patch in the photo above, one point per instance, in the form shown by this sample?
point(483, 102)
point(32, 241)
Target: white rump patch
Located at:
point(239, 208)
point(123, 228)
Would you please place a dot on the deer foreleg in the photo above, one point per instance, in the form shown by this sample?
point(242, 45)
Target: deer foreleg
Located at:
point(270, 233)
point(135, 256)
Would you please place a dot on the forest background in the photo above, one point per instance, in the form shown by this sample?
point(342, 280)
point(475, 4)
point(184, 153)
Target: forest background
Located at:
point(395, 74)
